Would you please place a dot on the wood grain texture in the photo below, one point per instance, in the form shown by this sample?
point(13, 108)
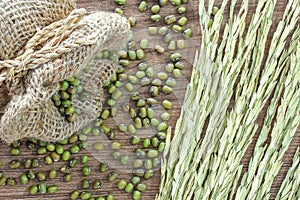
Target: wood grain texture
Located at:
point(157, 62)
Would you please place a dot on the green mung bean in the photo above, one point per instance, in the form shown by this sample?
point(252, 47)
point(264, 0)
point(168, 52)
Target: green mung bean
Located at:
point(155, 17)
point(161, 135)
point(103, 167)
point(122, 184)
point(129, 187)
point(132, 113)
point(146, 122)
point(84, 159)
point(11, 181)
point(33, 189)
point(116, 155)
point(138, 122)
point(42, 188)
point(169, 67)
point(140, 74)
point(131, 129)
point(112, 176)
point(187, 33)
point(161, 147)
point(114, 111)
point(143, 6)
point(152, 101)
point(85, 183)
point(15, 151)
point(74, 195)
point(141, 187)
point(132, 55)
point(152, 30)
point(150, 72)
point(168, 37)
point(155, 142)
point(120, 2)
point(155, 9)
point(135, 96)
point(97, 184)
point(73, 162)
point(124, 62)
point(183, 21)
point(156, 162)
point(140, 54)
point(24, 179)
point(52, 189)
point(87, 130)
point(152, 153)
point(86, 170)
point(181, 10)
point(119, 11)
point(162, 30)
point(170, 19)
point(176, 2)
point(177, 28)
point(154, 122)
point(74, 149)
point(143, 66)
point(85, 195)
point(143, 112)
point(140, 153)
point(177, 73)
point(124, 160)
point(31, 174)
point(132, 21)
point(167, 90)
point(144, 44)
point(129, 87)
point(135, 180)
point(110, 197)
point(180, 44)
point(146, 143)
point(48, 160)
point(150, 113)
point(98, 146)
point(41, 176)
point(27, 163)
point(132, 79)
point(116, 145)
point(148, 164)
point(171, 82)
point(157, 82)
point(122, 127)
point(172, 45)
point(162, 76)
point(154, 90)
point(135, 140)
point(140, 103)
point(52, 174)
point(163, 2)
point(136, 195)
point(138, 163)
point(148, 174)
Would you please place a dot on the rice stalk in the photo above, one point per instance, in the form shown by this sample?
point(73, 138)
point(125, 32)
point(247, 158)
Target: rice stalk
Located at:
point(287, 121)
point(290, 186)
point(214, 130)
point(240, 126)
point(184, 162)
point(259, 149)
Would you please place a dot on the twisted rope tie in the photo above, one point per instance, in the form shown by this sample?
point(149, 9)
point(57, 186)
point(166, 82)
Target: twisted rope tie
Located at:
point(57, 31)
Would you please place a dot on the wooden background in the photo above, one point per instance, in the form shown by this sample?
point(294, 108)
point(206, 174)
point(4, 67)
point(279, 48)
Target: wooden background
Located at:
point(157, 62)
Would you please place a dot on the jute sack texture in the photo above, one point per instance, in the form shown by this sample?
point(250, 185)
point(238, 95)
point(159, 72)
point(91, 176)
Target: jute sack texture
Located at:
point(58, 51)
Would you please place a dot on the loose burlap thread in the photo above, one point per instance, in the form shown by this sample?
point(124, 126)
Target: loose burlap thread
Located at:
point(56, 52)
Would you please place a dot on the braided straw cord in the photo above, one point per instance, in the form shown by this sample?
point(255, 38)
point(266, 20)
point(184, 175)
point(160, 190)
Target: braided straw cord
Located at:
point(20, 20)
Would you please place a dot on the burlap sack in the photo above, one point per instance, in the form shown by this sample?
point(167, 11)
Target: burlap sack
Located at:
point(55, 53)
point(21, 19)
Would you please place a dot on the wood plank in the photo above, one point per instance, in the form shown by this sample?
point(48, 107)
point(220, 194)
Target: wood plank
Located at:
point(157, 62)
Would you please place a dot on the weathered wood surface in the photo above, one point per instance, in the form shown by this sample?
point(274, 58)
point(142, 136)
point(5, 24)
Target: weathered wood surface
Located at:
point(156, 61)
